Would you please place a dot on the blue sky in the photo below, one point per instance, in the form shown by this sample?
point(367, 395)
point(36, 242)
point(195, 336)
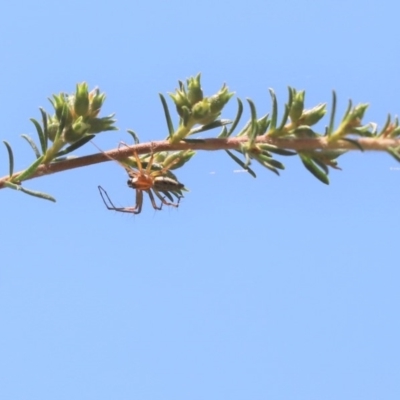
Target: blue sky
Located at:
point(279, 288)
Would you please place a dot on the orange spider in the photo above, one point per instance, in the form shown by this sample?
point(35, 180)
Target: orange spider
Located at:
point(161, 182)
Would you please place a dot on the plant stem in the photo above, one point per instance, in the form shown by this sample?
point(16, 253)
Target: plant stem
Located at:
point(367, 144)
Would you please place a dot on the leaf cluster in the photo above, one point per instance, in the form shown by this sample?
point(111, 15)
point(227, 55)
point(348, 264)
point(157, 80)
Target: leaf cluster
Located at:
point(75, 121)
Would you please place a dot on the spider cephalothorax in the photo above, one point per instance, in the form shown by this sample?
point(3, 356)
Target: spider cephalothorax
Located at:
point(152, 179)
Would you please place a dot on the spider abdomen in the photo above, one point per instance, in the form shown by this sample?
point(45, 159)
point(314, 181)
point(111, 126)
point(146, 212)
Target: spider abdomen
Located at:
point(165, 184)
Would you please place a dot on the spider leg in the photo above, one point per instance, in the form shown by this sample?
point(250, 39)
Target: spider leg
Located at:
point(166, 168)
point(153, 202)
point(137, 158)
point(139, 201)
point(167, 203)
point(110, 205)
point(150, 162)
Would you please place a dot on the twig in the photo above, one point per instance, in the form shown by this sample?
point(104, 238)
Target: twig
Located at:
point(377, 144)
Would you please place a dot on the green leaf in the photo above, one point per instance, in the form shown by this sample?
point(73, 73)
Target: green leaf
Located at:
point(364, 130)
point(42, 140)
point(276, 150)
point(224, 133)
point(395, 132)
point(237, 118)
point(30, 170)
point(134, 136)
point(242, 164)
point(193, 140)
point(185, 115)
point(215, 124)
point(34, 193)
point(313, 168)
point(10, 157)
point(41, 195)
point(394, 153)
point(74, 146)
point(170, 125)
point(304, 131)
point(45, 131)
point(347, 113)
point(285, 117)
point(254, 125)
point(322, 165)
point(333, 112)
point(65, 115)
point(263, 124)
point(245, 129)
point(354, 142)
point(271, 161)
point(274, 114)
point(383, 130)
point(32, 144)
point(265, 164)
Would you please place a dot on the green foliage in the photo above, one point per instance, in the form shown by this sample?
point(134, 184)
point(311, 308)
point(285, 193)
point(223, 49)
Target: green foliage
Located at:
point(75, 121)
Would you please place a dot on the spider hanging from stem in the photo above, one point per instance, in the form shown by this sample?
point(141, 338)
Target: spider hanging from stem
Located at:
point(160, 182)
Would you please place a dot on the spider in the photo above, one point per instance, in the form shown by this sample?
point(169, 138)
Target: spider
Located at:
point(152, 179)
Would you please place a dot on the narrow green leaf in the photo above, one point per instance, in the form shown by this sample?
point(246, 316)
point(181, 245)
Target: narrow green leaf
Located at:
point(11, 185)
point(242, 164)
point(32, 144)
point(64, 121)
point(170, 125)
point(247, 157)
point(383, 130)
point(134, 136)
point(271, 161)
point(254, 124)
point(354, 142)
point(29, 171)
point(290, 99)
point(304, 131)
point(394, 153)
point(322, 165)
point(331, 154)
point(223, 134)
point(186, 115)
point(263, 124)
point(10, 157)
point(284, 118)
point(42, 140)
point(274, 114)
point(29, 191)
point(193, 140)
point(245, 129)
point(267, 165)
point(76, 145)
point(333, 113)
point(276, 150)
point(237, 118)
point(395, 132)
point(364, 130)
point(45, 130)
point(346, 114)
point(41, 195)
point(215, 124)
point(311, 167)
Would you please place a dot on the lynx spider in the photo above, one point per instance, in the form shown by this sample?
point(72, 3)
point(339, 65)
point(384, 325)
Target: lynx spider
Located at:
point(151, 181)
